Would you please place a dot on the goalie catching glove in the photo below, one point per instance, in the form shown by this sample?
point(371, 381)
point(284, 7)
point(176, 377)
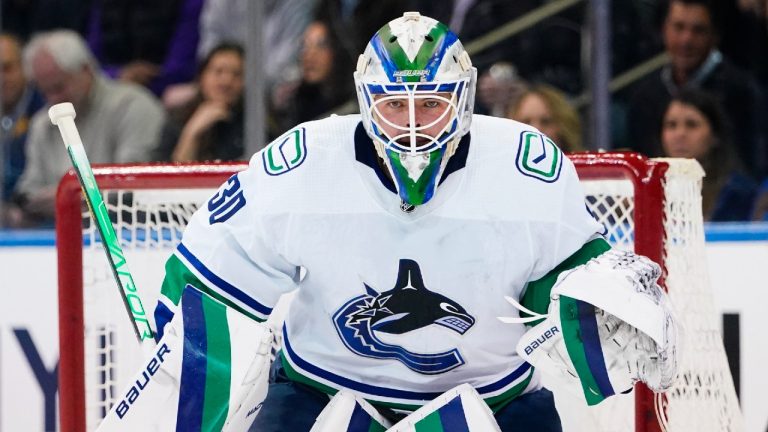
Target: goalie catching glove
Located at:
point(608, 325)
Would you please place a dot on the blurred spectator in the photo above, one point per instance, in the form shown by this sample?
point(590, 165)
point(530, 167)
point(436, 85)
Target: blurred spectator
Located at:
point(20, 102)
point(547, 109)
point(351, 21)
point(27, 17)
point(551, 51)
point(498, 88)
point(325, 81)
point(690, 37)
point(284, 24)
point(760, 212)
point(118, 122)
point(695, 127)
point(152, 43)
point(211, 125)
point(745, 38)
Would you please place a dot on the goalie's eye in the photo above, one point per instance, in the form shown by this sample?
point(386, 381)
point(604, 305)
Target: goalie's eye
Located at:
point(449, 308)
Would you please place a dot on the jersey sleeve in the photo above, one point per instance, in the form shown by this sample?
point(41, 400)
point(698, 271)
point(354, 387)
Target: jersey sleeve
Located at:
point(231, 250)
point(569, 240)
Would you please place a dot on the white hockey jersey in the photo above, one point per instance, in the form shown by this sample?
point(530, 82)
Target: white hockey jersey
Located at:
point(398, 307)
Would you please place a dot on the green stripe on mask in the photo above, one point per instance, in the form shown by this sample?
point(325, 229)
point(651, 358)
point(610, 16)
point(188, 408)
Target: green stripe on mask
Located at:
point(416, 192)
point(400, 58)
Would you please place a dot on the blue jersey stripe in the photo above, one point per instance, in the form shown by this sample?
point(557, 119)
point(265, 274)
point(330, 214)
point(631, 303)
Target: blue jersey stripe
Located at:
point(222, 284)
point(193, 365)
point(417, 397)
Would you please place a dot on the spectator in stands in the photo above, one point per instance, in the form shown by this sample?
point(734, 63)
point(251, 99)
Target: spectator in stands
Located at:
point(118, 122)
point(694, 126)
point(211, 125)
point(20, 101)
point(760, 212)
point(284, 25)
point(690, 39)
point(353, 20)
point(24, 18)
point(547, 109)
point(324, 85)
point(498, 88)
point(149, 43)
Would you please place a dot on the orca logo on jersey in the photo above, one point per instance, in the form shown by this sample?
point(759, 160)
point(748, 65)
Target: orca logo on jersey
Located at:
point(539, 157)
point(406, 307)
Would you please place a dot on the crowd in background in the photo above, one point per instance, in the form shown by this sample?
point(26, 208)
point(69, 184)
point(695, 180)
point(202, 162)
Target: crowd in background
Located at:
point(164, 81)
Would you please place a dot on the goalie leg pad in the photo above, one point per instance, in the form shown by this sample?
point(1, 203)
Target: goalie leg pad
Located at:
point(208, 372)
point(349, 413)
point(460, 409)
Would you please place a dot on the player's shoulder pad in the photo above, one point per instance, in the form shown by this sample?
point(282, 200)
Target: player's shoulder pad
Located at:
point(289, 151)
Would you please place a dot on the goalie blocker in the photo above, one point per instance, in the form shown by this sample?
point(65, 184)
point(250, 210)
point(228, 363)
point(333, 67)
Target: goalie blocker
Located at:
point(608, 325)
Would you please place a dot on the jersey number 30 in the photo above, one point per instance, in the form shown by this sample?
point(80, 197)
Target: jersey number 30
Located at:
point(226, 202)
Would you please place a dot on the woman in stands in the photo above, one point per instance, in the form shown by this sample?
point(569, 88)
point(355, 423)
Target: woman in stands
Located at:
point(210, 126)
point(548, 110)
point(695, 127)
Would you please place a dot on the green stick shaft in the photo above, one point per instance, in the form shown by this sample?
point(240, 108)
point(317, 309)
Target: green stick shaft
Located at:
point(63, 116)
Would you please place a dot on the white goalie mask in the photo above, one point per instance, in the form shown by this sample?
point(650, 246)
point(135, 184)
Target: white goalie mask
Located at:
point(416, 89)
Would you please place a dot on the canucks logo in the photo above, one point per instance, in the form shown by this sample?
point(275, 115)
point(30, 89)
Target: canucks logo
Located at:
point(285, 153)
point(406, 307)
point(539, 157)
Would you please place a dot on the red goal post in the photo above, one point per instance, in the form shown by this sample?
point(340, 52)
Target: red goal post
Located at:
point(653, 206)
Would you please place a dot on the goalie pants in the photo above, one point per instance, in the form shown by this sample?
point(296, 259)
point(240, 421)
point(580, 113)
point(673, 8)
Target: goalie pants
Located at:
point(292, 406)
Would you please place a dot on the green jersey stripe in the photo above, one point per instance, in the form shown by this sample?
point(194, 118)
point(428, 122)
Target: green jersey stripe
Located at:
point(178, 275)
point(536, 297)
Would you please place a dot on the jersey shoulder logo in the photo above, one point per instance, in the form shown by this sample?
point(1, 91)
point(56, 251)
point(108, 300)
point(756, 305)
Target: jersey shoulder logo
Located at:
point(539, 157)
point(285, 153)
point(406, 307)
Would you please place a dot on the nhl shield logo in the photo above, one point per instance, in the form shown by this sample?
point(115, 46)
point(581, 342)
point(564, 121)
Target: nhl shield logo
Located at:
point(539, 157)
point(285, 153)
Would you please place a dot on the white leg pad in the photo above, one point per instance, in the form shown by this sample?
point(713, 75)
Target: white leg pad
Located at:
point(347, 412)
point(460, 404)
point(157, 398)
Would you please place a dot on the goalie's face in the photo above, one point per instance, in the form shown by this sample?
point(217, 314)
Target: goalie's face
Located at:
point(415, 86)
point(413, 123)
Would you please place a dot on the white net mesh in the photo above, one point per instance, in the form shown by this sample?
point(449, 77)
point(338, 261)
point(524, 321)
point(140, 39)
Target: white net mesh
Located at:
point(704, 397)
point(150, 223)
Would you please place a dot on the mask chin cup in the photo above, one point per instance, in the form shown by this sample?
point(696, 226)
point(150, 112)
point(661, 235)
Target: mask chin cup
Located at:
point(416, 176)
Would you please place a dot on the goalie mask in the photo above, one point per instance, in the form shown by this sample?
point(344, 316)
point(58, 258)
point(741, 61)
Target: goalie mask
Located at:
point(416, 87)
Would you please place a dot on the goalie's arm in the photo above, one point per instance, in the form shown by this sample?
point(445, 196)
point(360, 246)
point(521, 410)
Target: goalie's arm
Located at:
point(537, 293)
point(228, 253)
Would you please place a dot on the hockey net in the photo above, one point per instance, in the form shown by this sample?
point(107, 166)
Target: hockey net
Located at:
point(651, 206)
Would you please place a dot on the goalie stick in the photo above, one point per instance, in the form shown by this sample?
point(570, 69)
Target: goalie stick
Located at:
point(63, 116)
